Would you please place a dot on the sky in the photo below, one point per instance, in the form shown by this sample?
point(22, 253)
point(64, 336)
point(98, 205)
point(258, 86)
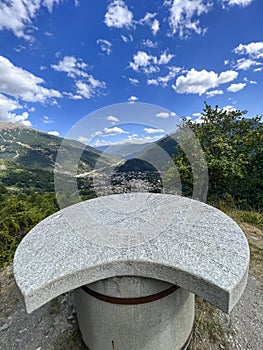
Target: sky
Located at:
point(65, 60)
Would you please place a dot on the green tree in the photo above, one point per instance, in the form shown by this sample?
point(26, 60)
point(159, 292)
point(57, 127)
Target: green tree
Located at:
point(233, 146)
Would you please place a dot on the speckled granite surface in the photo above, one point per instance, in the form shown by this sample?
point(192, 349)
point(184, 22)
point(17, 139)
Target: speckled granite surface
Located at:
point(166, 237)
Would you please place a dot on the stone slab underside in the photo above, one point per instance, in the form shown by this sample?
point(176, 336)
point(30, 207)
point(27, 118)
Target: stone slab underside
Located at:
point(165, 237)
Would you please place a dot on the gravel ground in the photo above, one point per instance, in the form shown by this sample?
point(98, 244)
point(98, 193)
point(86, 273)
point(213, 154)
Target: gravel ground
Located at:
point(54, 326)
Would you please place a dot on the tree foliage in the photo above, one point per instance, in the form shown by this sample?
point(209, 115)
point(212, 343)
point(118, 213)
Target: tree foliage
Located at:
point(18, 214)
point(233, 148)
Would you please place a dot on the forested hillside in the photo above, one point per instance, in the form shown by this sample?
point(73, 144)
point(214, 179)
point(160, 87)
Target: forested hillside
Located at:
point(232, 145)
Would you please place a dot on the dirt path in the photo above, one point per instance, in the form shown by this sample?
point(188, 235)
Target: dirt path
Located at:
point(54, 326)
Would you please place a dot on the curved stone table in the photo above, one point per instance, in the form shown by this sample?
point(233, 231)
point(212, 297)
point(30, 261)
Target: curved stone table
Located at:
point(135, 262)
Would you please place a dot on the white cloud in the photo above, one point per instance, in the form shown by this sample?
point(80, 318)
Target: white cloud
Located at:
point(127, 39)
point(258, 69)
point(153, 131)
point(165, 115)
point(114, 131)
point(155, 26)
point(165, 58)
point(242, 3)
point(250, 81)
point(7, 112)
point(19, 83)
point(198, 82)
point(150, 43)
point(74, 67)
point(134, 81)
point(112, 119)
point(47, 120)
point(164, 80)
point(214, 93)
point(228, 108)
point(87, 86)
point(118, 15)
point(54, 133)
point(133, 99)
point(73, 96)
point(130, 139)
point(105, 46)
point(236, 87)
point(152, 82)
point(141, 60)
point(196, 114)
point(150, 20)
point(148, 64)
point(82, 139)
point(254, 49)
point(246, 63)
point(18, 15)
point(182, 13)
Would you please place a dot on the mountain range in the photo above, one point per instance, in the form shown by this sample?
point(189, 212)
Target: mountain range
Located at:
point(28, 156)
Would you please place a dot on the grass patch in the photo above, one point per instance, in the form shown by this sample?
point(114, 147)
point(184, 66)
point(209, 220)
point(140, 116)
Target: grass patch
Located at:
point(251, 223)
point(208, 330)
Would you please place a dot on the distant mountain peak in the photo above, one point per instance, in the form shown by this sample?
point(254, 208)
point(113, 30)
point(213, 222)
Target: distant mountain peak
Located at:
point(12, 126)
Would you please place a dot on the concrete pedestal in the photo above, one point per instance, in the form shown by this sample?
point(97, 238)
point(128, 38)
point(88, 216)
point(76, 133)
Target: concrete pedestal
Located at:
point(134, 313)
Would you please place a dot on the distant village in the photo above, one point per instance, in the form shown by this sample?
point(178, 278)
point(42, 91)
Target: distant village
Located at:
point(122, 182)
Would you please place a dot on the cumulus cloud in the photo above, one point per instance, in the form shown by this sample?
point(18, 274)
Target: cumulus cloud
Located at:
point(164, 80)
point(253, 50)
point(118, 15)
point(74, 67)
point(141, 60)
point(155, 26)
point(150, 20)
point(54, 133)
point(147, 64)
point(165, 115)
point(228, 108)
point(8, 112)
point(112, 119)
point(198, 82)
point(246, 63)
point(86, 85)
point(149, 43)
point(19, 83)
point(113, 131)
point(134, 81)
point(18, 15)
point(165, 58)
point(242, 3)
point(89, 88)
point(183, 16)
point(236, 87)
point(105, 46)
point(133, 99)
point(153, 131)
point(213, 93)
point(82, 139)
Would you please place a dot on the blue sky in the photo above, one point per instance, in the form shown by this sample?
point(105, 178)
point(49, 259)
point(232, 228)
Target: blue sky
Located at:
point(63, 60)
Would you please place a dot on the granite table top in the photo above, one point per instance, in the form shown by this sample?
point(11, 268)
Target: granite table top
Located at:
point(160, 236)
